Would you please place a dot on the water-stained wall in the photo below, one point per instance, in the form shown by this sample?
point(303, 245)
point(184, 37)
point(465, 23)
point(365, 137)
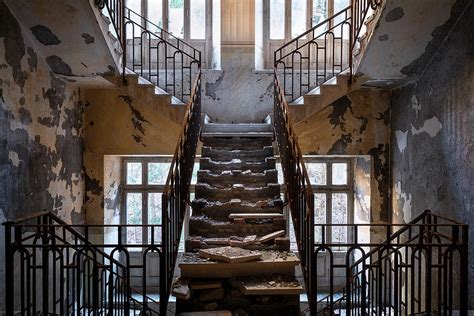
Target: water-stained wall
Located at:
point(432, 132)
point(117, 124)
point(41, 140)
point(40, 131)
point(356, 124)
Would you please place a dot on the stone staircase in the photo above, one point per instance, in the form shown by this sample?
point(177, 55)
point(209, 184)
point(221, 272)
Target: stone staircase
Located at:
point(237, 254)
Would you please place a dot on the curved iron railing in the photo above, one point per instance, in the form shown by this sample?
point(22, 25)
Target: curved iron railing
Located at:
point(153, 53)
point(175, 196)
point(419, 269)
point(52, 268)
point(322, 52)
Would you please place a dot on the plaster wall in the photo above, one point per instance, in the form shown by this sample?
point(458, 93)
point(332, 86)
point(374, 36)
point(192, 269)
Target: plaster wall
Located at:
point(41, 133)
point(237, 93)
point(432, 131)
point(117, 124)
point(356, 124)
point(391, 52)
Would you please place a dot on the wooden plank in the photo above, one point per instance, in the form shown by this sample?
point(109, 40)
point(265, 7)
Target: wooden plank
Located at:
point(255, 215)
point(245, 242)
point(271, 236)
point(230, 254)
point(275, 290)
point(206, 285)
point(181, 292)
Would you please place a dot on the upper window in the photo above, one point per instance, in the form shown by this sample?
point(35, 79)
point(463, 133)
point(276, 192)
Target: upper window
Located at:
point(198, 19)
point(298, 17)
point(155, 14)
point(176, 17)
point(277, 19)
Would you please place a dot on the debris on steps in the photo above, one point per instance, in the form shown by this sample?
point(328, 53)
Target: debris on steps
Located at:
point(230, 254)
point(237, 255)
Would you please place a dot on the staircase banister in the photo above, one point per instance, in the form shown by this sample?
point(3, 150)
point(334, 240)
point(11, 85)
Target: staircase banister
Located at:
point(26, 218)
point(293, 135)
point(182, 134)
point(146, 31)
point(180, 41)
point(303, 35)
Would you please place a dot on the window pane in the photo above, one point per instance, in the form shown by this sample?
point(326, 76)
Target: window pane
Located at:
point(339, 216)
point(320, 13)
point(298, 17)
point(154, 215)
point(155, 15)
point(158, 172)
point(340, 5)
point(339, 173)
point(134, 217)
point(316, 172)
point(319, 215)
point(198, 19)
point(277, 19)
point(281, 179)
point(134, 173)
point(195, 172)
point(136, 7)
point(176, 18)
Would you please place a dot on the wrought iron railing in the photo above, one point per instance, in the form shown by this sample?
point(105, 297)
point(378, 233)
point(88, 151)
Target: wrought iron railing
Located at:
point(53, 269)
point(175, 197)
point(420, 268)
point(381, 277)
point(153, 53)
point(322, 52)
point(298, 191)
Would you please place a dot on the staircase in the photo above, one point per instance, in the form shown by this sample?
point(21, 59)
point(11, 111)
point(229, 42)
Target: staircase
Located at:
point(237, 253)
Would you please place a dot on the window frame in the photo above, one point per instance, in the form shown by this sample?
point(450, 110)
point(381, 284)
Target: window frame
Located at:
point(328, 189)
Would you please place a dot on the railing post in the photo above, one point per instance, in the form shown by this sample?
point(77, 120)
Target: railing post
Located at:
point(9, 270)
point(45, 267)
point(123, 39)
point(464, 271)
point(164, 257)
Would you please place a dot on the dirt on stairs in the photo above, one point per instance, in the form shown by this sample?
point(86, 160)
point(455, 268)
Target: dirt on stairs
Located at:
point(238, 255)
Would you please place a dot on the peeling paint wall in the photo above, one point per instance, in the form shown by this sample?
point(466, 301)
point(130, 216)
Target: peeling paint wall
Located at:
point(41, 144)
point(237, 94)
point(118, 124)
point(356, 124)
point(432, 132)
point(40, 131)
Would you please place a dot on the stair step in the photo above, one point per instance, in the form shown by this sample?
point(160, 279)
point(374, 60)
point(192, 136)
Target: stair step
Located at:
point(228, 178)
point(212, 228)
point(276, 262)
point(216, 209)
point(237, 128)
point(255, 215)
point(237, 191)
point(237, 143)
point(230, 254)
point(271, 285)
point(195, 243)
point(236, 164)
point(244, 155)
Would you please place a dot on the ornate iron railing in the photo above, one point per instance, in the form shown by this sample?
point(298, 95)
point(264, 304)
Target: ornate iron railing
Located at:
point(153, 53)
point(53, 269)
point(420, 268)
point(381, 277)
point(298, 191)
point(322, 52)
point(176, 193)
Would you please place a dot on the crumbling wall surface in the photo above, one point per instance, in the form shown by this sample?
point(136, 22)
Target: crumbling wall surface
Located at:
point(40, 131)
point(116, 124)
point(432, 132)
point(356, 124)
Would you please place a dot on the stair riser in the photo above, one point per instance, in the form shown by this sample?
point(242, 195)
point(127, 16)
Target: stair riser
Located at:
point(244, 155)
point(205, 192)
point(206, 164)
point(228, 270)
point(237, 143)
point(199, 227)
point(237, 128)
point(249, 180)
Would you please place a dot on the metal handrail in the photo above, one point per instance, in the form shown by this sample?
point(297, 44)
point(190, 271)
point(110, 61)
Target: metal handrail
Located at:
point(298, 61)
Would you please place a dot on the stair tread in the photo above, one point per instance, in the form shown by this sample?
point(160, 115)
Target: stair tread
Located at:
point(271, 285)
